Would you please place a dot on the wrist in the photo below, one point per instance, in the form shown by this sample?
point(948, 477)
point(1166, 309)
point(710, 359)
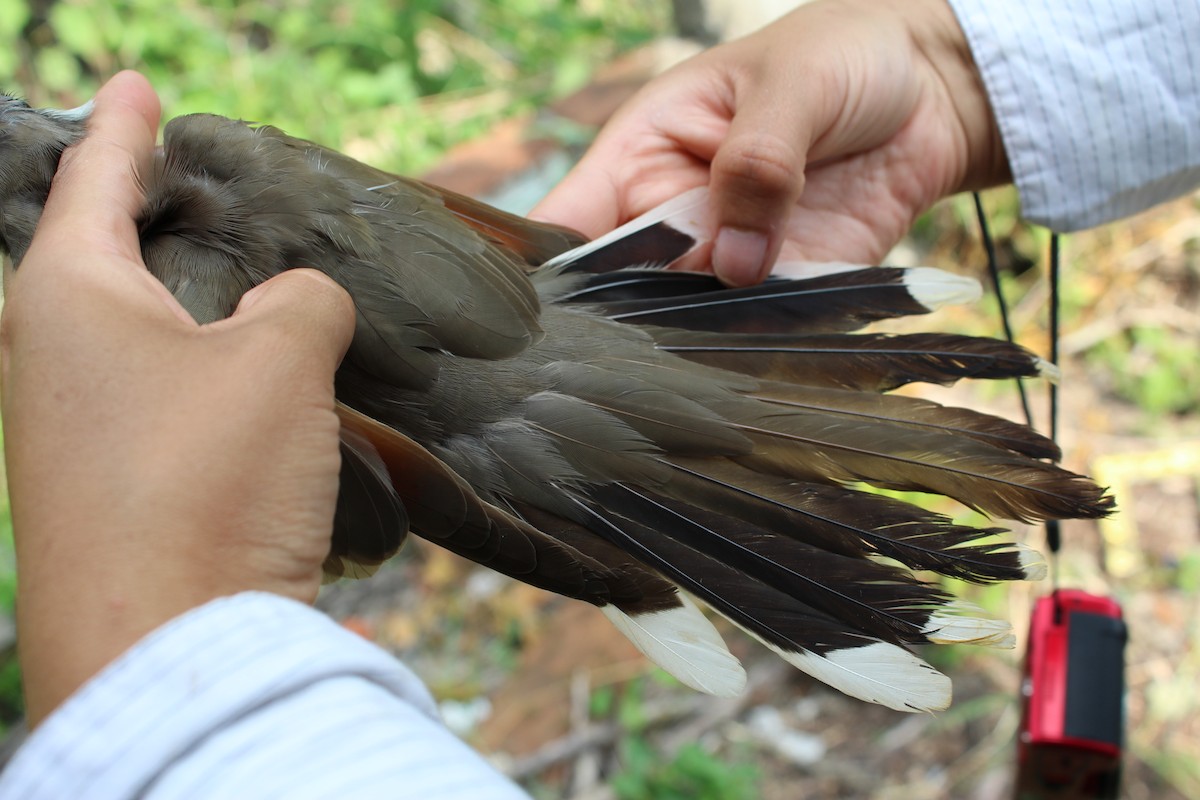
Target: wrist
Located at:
point(941, 41)
point(83, 601)
point(71, 630)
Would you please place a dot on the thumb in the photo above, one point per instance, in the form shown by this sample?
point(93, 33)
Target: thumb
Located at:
point(96, 194)
point(312, 313)
point(757, 176)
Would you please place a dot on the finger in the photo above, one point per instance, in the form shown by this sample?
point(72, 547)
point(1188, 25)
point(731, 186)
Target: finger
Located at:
point(312, 313)
point(758, 174)
point(97, 178)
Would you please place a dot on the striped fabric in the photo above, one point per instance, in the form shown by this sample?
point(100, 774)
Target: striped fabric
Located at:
point(1098, 101)
point(251, 696)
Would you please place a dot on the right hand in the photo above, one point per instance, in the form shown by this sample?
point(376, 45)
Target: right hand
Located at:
point(822, 137)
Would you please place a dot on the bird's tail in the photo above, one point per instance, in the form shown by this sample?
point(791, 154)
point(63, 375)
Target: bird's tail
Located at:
point(726, 444)
point(763, 509)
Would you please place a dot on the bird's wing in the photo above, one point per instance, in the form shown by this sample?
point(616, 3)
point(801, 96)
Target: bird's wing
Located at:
point(534, 242)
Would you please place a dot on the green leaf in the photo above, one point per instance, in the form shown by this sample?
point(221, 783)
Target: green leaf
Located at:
point(13, 16)
point(57, 69)
point(77, 29)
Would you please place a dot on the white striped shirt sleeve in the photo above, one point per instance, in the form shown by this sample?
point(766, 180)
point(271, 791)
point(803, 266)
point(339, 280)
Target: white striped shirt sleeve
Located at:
point(252, 696)
point(1098, 101)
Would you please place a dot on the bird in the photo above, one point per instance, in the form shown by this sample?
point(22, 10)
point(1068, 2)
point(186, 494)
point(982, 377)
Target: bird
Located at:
point(575, 415)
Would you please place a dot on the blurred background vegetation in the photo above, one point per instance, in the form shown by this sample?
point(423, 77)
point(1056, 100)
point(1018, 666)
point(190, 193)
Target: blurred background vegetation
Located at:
point(398, 84)
point(411, 77)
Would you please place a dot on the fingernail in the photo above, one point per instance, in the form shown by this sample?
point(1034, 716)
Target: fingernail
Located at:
point(739, 256)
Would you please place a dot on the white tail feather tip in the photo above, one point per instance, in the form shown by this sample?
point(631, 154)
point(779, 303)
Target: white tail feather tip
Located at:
point(684, 643)
point(934, 288)
point(950, 629)
point(878, 673)
point(1049, 370)
point(1032, 562)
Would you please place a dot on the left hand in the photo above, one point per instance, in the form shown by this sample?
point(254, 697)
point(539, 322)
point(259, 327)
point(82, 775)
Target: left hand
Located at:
point(153, 464)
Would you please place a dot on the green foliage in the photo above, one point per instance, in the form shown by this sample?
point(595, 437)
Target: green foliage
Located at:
point(1152, 367)
point(12, 698)
point(8, 559)
point(692, 774)
point(602, 702)
point(626, 704)
point(393, 82)
point(1187, 573)
point(12, 701)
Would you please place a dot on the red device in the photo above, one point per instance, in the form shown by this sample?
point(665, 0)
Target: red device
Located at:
point(1074, 699)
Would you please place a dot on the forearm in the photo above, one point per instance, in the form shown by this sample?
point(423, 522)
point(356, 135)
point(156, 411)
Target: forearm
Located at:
point(75, 615)
point(251, 696)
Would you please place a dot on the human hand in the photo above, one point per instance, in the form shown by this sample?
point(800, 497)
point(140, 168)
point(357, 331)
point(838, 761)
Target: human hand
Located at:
point(822, 137)
point(153, 464)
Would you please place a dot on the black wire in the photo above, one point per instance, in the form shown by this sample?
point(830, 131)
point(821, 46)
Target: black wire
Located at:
point(989, 247)
point(1053, 530)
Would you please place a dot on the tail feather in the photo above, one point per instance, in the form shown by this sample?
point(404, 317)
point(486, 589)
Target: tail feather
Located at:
point(604, 290)
point(982, 477)
point(672, 420)
point(911, 411)
point(684, 643)
point(878, 599)
point(714, 447)
point(872, 362)
point(655, 239)
point(856, 663)
point(830, 303)
point(851, 523)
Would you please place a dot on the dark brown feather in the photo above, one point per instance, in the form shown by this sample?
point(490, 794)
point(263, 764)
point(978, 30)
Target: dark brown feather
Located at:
point(534, 242)
point(847, 522)
point(872, 362)
point(444, 509)
point(911, 411)
point(840, 302)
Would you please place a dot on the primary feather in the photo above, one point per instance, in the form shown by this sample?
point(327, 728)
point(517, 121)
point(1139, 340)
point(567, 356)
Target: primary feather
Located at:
point(569, 414)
